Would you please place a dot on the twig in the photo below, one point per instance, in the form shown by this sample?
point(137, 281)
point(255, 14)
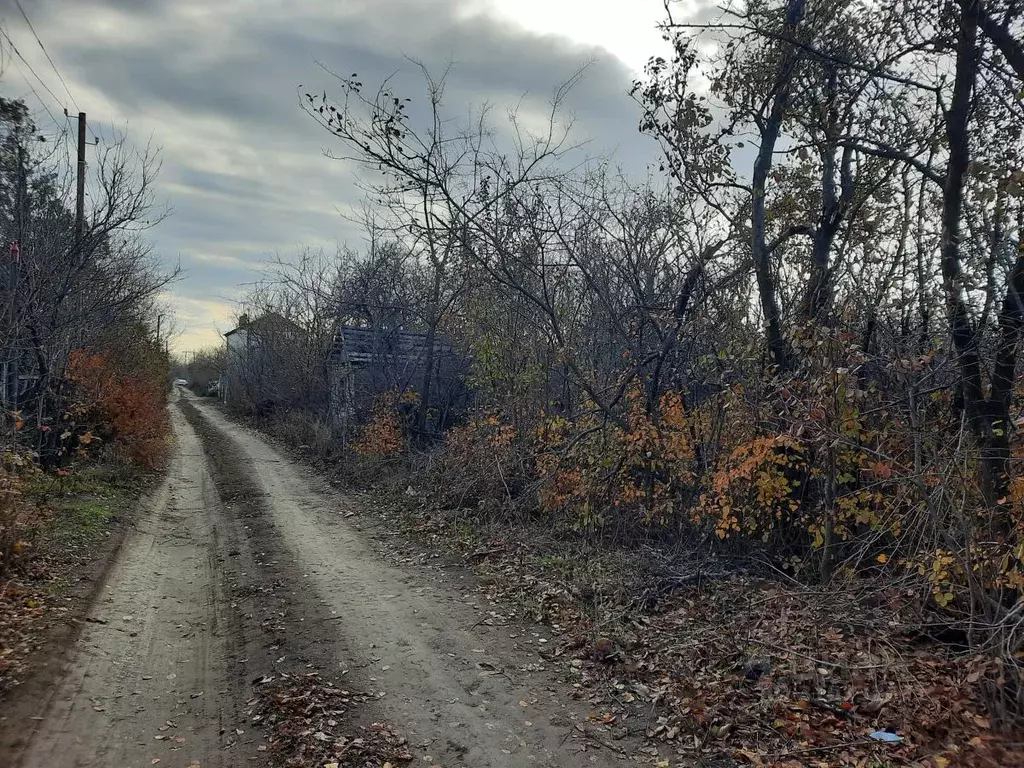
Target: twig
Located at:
point(808, 750)
point(601, 742)
point(493, 669)
point(479, 552)
point(501, 474)
point(819, 662)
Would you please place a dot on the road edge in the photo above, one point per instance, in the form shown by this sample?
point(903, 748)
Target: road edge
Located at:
point(22, 710)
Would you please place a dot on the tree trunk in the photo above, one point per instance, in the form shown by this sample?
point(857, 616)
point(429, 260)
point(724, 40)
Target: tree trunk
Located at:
point(1011, 323)
point(999, 34)
point(987, 418)
point(778, 349)
point(428, 357)
point(671, 338)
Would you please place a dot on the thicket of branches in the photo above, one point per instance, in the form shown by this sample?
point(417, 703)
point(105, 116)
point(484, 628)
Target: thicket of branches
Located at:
point(804, 335)
point(83, 367)
point(202, 371)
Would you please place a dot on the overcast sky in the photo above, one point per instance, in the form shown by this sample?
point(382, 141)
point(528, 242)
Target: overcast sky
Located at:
point(214, 83)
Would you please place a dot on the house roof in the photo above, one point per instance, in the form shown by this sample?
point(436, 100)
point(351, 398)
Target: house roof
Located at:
point(270, 321)
point(363, 345)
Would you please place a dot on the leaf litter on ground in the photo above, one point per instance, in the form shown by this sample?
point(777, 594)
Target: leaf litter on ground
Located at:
point(722, 670)
point(307, 721)
point(732, 669)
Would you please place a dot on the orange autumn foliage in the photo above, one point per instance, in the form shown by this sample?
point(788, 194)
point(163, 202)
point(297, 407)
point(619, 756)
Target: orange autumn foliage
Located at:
point(642, 467)
point(126, 410)
point(384, 436)
point(816, 467)
point(479, 461)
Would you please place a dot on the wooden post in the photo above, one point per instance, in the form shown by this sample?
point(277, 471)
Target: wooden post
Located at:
point(80, 201)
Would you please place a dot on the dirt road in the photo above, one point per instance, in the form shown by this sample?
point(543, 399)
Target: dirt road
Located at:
point(149, 672)
point(245, 565)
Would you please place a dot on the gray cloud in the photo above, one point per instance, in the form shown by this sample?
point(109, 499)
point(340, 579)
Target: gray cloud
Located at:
point(216, 84)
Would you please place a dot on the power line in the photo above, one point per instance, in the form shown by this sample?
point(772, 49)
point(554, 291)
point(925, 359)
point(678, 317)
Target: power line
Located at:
point(42, 82)
point(40, 99)
point(47, 55)
point(61, 126)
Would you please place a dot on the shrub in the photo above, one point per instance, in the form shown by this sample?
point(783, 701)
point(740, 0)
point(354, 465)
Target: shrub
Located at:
point(124, 410)
point(386, 435)
point(19, 520)
point(638, 472)
point(482, 460)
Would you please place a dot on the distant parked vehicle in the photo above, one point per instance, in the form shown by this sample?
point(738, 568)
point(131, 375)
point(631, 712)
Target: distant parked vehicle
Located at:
point(181, 382)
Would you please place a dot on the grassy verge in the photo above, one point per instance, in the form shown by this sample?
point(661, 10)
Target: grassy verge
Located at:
point(83, 506)
point(50, 585)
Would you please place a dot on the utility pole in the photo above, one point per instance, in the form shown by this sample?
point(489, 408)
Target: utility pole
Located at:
point(79, 303)
point(12, 384)
point(158, 319)
point(80, 202)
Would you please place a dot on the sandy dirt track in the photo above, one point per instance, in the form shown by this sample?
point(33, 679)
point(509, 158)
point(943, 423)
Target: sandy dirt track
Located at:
point(148, 676)
point(243, 563)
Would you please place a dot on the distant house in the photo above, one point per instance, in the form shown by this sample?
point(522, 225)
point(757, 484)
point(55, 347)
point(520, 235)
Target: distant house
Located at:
point(266, 363)
point(363, 363)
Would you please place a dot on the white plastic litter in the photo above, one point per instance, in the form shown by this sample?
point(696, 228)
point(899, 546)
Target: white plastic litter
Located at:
point(891, 738)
